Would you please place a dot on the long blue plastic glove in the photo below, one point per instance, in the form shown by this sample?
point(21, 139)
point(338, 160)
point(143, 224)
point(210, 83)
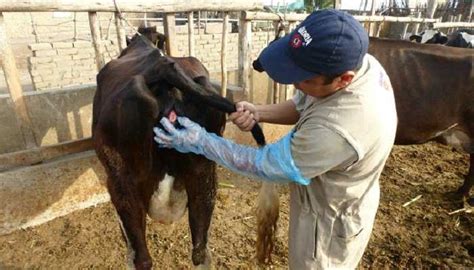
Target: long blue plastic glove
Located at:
point(272, 162)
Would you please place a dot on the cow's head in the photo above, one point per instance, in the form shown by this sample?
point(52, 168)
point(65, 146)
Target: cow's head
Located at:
point(157, 38)
point(461, 39)
point(430, 37)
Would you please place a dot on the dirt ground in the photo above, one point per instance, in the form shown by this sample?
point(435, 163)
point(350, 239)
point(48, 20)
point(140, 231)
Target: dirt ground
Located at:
point(422, 235)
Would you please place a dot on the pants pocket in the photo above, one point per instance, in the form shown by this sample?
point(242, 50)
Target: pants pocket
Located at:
point(347, 242)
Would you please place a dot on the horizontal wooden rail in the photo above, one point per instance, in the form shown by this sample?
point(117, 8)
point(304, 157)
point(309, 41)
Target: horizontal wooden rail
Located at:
point(42, 154)
point(139, 6)
point(394, 19)
point(218, 85)
point(453, 24)
point(266, 16)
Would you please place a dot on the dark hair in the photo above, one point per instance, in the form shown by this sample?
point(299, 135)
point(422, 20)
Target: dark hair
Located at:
point(329, 78)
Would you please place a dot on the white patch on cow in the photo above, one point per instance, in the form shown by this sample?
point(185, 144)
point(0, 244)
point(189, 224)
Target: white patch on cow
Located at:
point(442, 132)
point(427, 35)
point(468, 38)
point(457, 138)
point(130, 250)
point(166, 204)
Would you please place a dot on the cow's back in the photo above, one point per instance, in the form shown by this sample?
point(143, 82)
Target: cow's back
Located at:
point(433, 86)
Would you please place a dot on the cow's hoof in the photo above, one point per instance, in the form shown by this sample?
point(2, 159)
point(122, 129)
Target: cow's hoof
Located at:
point(202, 259)
point(144, 265)
point(455, 196)
point(470, 201)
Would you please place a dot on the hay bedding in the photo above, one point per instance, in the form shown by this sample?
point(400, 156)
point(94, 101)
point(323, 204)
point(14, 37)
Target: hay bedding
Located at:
point(422, 234)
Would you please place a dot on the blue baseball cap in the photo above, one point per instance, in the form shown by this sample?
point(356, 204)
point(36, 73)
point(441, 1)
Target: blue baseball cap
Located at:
point(327, 42)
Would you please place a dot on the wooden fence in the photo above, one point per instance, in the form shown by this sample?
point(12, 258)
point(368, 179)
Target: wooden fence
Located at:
point(36, 154)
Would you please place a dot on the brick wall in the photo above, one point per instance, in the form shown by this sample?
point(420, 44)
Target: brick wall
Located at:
point(24, 28)
point(60, 53)
point(62, 64)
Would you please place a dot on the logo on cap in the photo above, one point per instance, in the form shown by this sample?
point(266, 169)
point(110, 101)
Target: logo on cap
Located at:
point(296, 41)
point(306, 36)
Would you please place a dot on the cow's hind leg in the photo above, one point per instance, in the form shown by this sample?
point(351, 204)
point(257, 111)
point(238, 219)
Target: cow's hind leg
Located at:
point(201, 189)
point(469, 148)
point(468, 182)
point(131, 211)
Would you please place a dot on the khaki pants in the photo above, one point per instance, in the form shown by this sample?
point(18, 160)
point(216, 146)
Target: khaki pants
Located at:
point(318, 240)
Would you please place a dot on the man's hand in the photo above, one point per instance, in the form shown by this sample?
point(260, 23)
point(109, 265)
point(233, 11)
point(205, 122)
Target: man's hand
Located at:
point(184, 140)
point(246, 116)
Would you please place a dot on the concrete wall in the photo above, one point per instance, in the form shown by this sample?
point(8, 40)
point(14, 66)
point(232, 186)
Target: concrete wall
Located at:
point(57, 116)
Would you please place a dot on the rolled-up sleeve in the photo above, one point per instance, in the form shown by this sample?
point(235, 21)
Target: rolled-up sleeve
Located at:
point(317, 149)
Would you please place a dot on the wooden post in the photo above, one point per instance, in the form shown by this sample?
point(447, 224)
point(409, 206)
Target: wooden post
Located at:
point(225, 25)
point(96, 41)
point(12, 77)
point(417, 25)
point(122, 44)
point(276, 87)
point(378, 29)
point(405, 29)
point(169, 24)
point(458, 19)
point(199, 22)
point(469, 15)
point(191, 34)
point(245, 49)
point(372, 26)
point(450, 19)
point(431, 8)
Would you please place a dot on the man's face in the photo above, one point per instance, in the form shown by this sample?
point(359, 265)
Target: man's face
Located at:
point(319, 87)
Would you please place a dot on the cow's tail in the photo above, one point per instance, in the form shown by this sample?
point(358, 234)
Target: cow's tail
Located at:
point(267, 211)
point(267, 217)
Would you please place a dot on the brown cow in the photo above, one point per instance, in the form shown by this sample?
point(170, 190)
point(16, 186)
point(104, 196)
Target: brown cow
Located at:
point(133, 93)
point(434, 94)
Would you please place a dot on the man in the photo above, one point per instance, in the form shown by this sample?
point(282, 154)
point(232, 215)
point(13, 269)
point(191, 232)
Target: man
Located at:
point(345, 118)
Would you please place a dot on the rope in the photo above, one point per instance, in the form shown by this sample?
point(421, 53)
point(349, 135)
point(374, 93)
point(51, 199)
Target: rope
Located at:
point(281, 22)
point(121, 17)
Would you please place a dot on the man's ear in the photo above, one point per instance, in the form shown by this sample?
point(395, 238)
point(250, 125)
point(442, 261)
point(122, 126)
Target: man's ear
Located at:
point(345, 79)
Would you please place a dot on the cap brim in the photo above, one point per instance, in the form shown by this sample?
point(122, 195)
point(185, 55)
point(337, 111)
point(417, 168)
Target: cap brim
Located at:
point(276, 61)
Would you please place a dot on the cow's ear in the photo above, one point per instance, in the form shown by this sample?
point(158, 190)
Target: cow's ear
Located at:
point(416, 38)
